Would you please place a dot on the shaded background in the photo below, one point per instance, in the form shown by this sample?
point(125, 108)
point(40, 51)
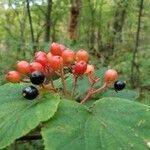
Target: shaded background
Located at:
point(115, 32)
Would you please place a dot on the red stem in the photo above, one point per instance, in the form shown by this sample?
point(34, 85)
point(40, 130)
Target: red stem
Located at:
point(52, 83)
point(48, 88)
point(74, 86)
point(92, 92)
point(63, 81)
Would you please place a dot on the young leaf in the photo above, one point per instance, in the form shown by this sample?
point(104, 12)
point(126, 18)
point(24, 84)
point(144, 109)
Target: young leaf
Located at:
point(18, 116)
point(110, 124)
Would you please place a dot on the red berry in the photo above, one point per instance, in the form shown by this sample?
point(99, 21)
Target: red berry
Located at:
point(62, 47)
point(35, 66)
point(13, 76)
point(110, 75)
point(55, 49)
point(23, 67)
point(49, 56)
point(82, 55)
point(90, 69)
point(56, 63)
point(42, 59)
point(80, 67)
point(68, 56)
point(40, 53)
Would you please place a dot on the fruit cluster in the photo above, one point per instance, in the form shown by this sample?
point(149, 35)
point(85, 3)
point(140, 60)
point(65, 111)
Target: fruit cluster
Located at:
point(60, 60)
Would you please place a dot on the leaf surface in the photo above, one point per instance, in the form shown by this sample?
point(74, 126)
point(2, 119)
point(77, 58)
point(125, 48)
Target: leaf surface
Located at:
point(109, 124)
point(128, 94)
point(18, 116)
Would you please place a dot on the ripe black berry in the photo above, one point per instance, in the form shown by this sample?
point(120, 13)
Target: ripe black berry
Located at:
point(30, 92)
point(119, 85)
point(37, 77)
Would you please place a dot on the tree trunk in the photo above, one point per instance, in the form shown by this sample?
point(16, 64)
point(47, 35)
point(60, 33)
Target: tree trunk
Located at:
point(74, 18)
point(116, 31)
point(92, 30)
point(134, 66)
point(48, 21)
point(99, 30)
point(99, 35)
point(31, 26)
point(119, 19)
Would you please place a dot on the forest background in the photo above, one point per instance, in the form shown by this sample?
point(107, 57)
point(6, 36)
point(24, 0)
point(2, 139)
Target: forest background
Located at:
point(115, 32)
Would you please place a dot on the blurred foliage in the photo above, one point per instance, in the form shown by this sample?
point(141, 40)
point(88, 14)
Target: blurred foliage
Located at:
point(95, 16)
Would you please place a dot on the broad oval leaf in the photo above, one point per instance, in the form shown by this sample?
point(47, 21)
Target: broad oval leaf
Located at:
point(64, 131)
point(128, 94)
point(19, 116)
point(109, 124)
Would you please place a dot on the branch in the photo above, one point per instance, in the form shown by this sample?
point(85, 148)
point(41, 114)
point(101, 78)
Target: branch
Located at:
point(31, 25)
point(17, 13)
point(135, 51)
point(10, 33)
point(92, 92)
point(39, 33)
point(41, 9)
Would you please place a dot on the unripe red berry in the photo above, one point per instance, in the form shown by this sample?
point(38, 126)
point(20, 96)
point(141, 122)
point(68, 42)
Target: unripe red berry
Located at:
point(90, 70)
point(49, 56)
point(80, 68)
point(62, 47)
point(68, 56)
point(55, 49)
point(82, 55)
point(56, 63)
point(40, 53)
point(23, 67)
point(42, 59)
point(13, 76)
point(110, 75)
point(35, 66)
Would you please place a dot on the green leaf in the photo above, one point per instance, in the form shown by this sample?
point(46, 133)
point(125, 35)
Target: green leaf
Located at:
point(63, 132)
point(19, 116)
point(128, 94)
point(82, 87)
point(109, 124)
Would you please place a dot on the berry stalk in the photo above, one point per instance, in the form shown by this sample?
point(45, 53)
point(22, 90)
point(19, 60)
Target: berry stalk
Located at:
point(92, 92)
point(74, 86)
point(63, 81)
point(52, 83)
point(48, 88)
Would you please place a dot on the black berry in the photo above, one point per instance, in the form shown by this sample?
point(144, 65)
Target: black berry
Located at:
point(30, 92)
point(37, 77)
point(119, 85)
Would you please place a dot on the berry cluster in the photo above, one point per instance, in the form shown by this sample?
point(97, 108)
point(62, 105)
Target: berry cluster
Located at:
point(60, 60)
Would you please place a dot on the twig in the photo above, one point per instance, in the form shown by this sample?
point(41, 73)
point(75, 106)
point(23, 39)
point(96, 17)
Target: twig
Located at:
point(91, 92)
point(25, 80)
point(52, 82)
point(48, 88)
point(63, 81)
point(74, 86)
